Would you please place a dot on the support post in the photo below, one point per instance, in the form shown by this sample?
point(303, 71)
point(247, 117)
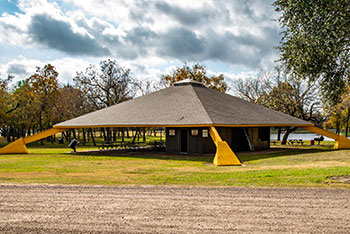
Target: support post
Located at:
point(19, 146)
point(341, 141)
point(224, 155)
point(16, 147)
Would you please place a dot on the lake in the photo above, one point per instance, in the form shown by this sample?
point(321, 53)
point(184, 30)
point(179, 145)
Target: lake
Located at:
point(304, 136)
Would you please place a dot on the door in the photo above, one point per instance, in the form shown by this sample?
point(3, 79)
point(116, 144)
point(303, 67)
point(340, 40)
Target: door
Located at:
point(183, 141)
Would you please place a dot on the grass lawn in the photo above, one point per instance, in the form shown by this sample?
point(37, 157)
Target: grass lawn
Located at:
point(297, 166)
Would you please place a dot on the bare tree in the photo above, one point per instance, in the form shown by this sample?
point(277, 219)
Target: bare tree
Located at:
point(145, 86)
point(252, 88)
point(287, 94)
point(110, 84)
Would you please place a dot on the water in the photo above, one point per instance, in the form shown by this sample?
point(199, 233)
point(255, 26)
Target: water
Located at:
point(304, 136)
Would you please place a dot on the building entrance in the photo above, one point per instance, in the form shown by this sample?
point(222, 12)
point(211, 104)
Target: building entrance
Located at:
point(183, 141)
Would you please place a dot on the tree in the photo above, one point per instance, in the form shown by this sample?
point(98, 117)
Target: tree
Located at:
point(4, 98)
point(295, 98)
point(111, 84)
point(4, 104)
point(316, 42)
point(196, 72)
point(286, 94)
point(252, 89)
point(44, 88)
point(71, 102)
point(145, 87)
point(37, 103)
point(19, 112)
point(339, 116)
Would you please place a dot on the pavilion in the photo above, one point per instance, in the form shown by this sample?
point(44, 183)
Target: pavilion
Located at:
point(197, 120)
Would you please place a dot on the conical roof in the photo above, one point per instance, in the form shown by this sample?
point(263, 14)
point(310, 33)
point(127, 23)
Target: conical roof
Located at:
point(187, 103)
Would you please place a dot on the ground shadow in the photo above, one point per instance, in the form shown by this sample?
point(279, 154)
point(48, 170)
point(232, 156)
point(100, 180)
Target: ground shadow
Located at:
point(206, 158)
point(147, 155)
point(277, 152)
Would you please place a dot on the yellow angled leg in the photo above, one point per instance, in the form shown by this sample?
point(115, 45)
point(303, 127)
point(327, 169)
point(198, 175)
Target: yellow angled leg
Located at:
point(19, 146)
point(224, 155)
point(341, 142)
point(16, 147)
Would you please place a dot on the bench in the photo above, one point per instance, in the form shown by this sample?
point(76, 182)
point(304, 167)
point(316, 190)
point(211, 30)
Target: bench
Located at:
point(115, 144)
point(319, 139)
point(159, 144)
point(127, 145)
point(297, 141)
point(106, 145)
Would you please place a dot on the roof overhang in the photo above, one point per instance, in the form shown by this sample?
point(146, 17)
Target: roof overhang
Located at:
point(180, 126)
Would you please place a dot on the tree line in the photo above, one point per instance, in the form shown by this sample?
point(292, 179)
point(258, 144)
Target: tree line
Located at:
point(40, 101)
point(312, 81)
point(315, 48)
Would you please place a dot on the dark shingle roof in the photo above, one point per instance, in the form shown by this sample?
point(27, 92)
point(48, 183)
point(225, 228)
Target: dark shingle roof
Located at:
point(186, 103)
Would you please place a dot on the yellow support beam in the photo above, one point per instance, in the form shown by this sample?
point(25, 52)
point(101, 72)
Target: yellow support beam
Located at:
point(19, 146)
point(16, 147)
point(42, 135)
point(341, 141)
point(224, 155)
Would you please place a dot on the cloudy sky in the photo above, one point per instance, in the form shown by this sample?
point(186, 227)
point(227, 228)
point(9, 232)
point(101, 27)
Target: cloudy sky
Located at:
point(233, 37)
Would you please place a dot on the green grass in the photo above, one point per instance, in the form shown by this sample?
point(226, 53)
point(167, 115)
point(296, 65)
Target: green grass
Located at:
point(298, 166)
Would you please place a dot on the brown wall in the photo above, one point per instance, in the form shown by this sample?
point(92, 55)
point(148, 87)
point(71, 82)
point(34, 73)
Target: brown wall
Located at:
point(235, 137)
point(196, 144)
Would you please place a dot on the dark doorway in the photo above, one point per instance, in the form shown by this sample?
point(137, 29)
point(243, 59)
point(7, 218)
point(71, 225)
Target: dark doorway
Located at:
point(239, 140)
point(183, 141)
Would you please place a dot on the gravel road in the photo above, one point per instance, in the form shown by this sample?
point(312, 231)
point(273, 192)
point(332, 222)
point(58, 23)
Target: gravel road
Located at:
point(163, 209)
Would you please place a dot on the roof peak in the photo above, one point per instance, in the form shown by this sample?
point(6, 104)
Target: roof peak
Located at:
point(188, 82)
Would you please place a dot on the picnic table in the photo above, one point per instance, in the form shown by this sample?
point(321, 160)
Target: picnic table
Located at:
point(106, 145)
point(159, 144)
point(119, 144)
point(111, 145)
point(297, 141)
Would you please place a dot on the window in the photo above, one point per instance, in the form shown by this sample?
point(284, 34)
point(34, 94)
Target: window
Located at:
point(194, 132)
point(205, 133)
point(171, 132)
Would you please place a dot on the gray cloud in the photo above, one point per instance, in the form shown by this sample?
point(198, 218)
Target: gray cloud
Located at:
point(18, 69)
point(180, 43)
point(234, 32)
point(253, 10)
point(140, 12)
point(125, 52)
point(140, 35)
point(248, 50)
point(59, 35)
point(187, 16)
point(250, 46)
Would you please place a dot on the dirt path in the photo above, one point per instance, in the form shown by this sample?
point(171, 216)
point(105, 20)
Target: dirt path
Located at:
point(148, 209)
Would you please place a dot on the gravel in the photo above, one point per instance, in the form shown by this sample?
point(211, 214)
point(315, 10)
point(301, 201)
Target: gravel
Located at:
point(168, 209)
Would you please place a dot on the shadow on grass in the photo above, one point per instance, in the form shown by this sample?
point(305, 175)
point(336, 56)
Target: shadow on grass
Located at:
point(277, 152)
point(207, 158)
point(147, 155)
